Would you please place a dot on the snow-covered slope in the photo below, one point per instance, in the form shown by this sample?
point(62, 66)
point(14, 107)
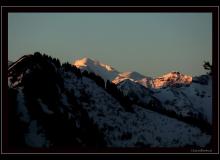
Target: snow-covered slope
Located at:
point(192, 100)
point(57, 107)
point(135, 91)
point(105, 71)
point(186, 101)
point(133, 129)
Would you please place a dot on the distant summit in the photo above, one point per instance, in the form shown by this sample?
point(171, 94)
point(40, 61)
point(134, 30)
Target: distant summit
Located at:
point(83, 62)
point(105, 71)
point(171, 79)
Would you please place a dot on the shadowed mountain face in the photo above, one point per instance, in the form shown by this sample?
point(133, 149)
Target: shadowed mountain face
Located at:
point(64, 105)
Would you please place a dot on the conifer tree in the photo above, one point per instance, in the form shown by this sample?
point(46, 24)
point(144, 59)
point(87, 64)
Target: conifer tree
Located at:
point(207, 66)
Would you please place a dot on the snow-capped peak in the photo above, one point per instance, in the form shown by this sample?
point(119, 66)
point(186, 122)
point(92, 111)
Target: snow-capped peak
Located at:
point(83, 62)
point(171, 78)
point(105, 71)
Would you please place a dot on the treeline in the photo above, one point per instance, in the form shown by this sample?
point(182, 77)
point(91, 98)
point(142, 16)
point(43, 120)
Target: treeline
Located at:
point(43, 79)
point(98, 79)
point(38, 57)
point(207, 66)
point(112, 89)
point(124, 100)
point(71, 68)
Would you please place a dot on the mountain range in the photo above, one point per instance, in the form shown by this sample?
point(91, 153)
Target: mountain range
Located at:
point(88, 103)
point(109, 73)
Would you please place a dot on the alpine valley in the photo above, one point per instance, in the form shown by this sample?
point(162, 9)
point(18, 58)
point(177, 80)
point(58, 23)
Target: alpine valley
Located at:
point(91, 104)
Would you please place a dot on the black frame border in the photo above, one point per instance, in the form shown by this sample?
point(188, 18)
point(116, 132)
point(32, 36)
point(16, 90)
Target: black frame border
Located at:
point(214, 148)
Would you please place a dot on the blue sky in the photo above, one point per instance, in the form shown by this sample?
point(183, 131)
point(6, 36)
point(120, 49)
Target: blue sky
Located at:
point(149, 43)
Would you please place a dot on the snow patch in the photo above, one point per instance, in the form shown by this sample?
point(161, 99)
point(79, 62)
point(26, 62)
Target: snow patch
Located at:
point(22, 109)
point(35, 136)
point(44, 107)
